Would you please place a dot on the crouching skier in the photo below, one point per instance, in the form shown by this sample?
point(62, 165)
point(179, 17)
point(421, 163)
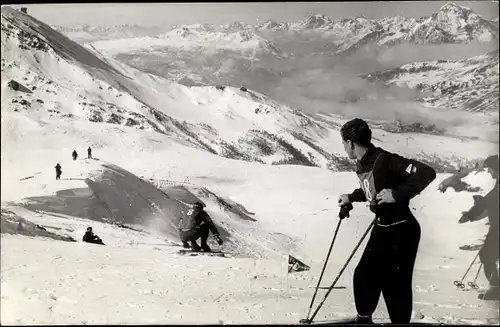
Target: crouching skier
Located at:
point(388, 182)
point(196, 225)
point(90, 237)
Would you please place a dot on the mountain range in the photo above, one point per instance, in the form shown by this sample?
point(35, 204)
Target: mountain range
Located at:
point(48, 78)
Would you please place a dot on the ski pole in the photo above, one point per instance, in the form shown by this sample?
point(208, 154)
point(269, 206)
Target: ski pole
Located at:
point(473, 283)
point(459, 283)
point(323, 270)
point(342, 270)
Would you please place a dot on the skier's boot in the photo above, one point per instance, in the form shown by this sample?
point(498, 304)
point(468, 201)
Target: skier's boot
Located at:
point(492, 294)
point(185, 245)
point(195, 247)
point(363, 320)
point(205, 248)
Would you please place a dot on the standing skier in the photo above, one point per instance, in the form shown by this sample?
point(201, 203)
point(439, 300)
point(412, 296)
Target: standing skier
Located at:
point(388, 182)
point(74, 155)
point(89, 153)
point(58, 171)
point(197, 224)
point(489, 253)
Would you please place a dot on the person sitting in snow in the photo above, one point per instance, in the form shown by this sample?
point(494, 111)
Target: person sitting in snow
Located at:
point(58, 171)
point(89, 153)
point(489, 253)
point(74, 154)
point(197, 224)
point(90, 237)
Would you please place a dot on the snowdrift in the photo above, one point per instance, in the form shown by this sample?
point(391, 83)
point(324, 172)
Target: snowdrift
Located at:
point(107, 193)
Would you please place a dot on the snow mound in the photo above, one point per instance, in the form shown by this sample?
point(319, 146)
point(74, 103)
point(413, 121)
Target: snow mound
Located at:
point(110, 194)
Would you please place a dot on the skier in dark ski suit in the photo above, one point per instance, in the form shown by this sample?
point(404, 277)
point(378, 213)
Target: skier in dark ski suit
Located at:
point(74, 155)
point(89, 153)
point(489, 253)
point(388, 182)
point(197, 224)
point(58, 171)
point(90, 237)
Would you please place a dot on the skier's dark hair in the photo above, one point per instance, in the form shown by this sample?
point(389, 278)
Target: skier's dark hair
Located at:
point(357, 131)
point(199, 204)
point(491, 162)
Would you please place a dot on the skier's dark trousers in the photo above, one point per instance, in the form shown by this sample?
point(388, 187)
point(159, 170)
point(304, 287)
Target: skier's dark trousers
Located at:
point(388, 182)
point(196, 225)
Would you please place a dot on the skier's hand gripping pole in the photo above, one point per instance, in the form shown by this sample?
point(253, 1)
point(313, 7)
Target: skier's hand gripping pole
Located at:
point(309, 321)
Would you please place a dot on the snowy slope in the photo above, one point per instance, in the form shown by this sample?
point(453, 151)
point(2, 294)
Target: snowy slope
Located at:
point(120, 95)
point(86, 33)
point(70, 82)
point(137, 277)
point(237, 290)
point(469, 84)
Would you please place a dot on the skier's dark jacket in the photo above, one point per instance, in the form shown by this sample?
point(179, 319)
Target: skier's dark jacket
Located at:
point(490, 203)
point(406, 177)
point(196, 218)
point(90, 237)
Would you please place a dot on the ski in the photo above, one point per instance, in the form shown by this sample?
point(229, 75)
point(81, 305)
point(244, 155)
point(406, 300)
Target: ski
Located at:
point(198, 253)
point(351, 321)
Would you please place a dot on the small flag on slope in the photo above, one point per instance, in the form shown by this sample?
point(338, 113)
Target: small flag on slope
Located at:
point(295, 265)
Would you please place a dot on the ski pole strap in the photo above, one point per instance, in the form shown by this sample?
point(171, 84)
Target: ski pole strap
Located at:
point(342, 270)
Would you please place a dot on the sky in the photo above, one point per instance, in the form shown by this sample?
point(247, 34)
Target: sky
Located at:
point(169, 14)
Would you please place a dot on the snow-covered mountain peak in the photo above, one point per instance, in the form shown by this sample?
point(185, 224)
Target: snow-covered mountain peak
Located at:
point(357, 25)
point(453, 8)
point(315, 21)
point(235, 27)
point(238, 40)
point(273, 25)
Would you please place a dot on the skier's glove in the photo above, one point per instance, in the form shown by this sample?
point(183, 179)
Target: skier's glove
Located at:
point(218, 239)
point(344, 211)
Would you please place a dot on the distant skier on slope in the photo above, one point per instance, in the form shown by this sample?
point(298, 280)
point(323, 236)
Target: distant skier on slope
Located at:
point(388, 182)
point(89, 153)
point(58, 171)
point(489, 253)
point(197, 224)
point(90, 237)
point(74, 155)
